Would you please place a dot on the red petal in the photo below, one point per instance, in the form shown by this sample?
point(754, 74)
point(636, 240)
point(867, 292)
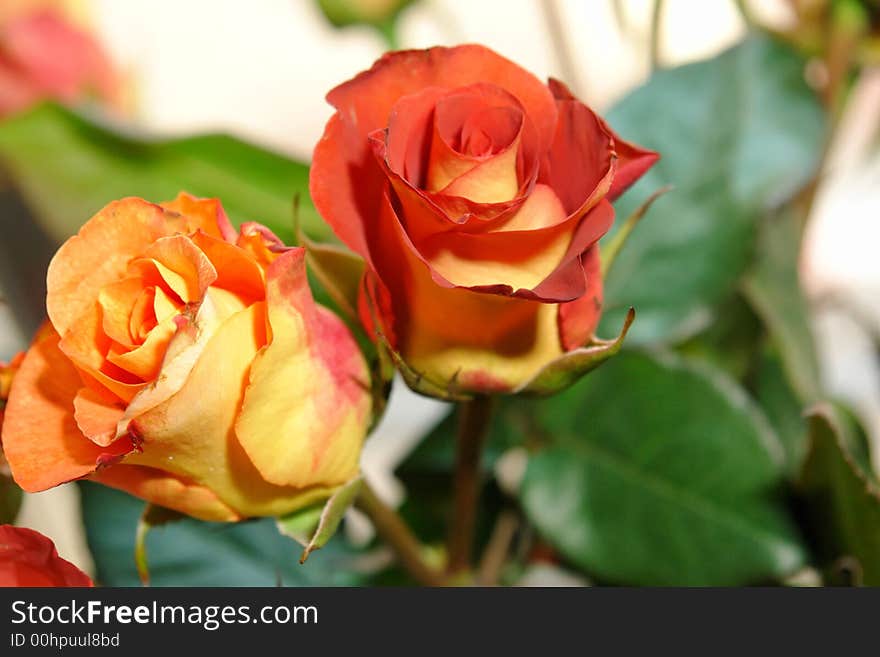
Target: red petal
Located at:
point(27, 558)
point(579, 318)
point(632, 160)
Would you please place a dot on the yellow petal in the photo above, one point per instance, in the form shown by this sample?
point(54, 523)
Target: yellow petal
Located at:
point(191, 434)
point(180, 264)
point(305, 411)
point(478, 259)
point(117, 301)
point(166, 490)
point(96, 414)
point(145, 360)
point(184, 349)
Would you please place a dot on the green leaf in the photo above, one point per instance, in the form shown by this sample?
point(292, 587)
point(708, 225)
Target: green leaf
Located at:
point(661, 473)
point(314, 526)
point(773, 288)
point(731, 341)
point(68, 168)
point(196, 553)
point(339, 272)
point(613, 246)
point(736, 133)
point(782, 407)
point(842, 502)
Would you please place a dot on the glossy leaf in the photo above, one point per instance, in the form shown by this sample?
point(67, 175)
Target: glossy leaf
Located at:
point(661, 473)
point(68, 167)
point(731, 341)
point(782, 407)
point(773, 288)
point(314, 526)
point(196, 553)
point(842, 502)
point(737, 134)
point(613, 246)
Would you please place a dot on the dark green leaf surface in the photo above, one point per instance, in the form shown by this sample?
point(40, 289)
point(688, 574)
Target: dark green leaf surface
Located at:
point(842, 502)
point(68, 168)
point(731, 342)
point(660, 473)
point(737, 134)
point(782, 407)
point(773, 289)
point(195, 553)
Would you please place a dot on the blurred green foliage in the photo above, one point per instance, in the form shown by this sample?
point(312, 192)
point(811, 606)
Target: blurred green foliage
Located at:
point(737, 134)
point(194, 553)
point(684, 460)
point(68, 168)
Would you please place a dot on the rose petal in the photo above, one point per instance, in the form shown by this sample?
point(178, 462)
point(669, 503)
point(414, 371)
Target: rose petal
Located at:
point(117, 302)
point(368, 98)
point(237, 270)
point(450, 333)
point(99, 255)
point(191, 434)
point(180, 264)
point(27, 558)
point(305, 410)
point(145, 360)
point(476, 113)
point(166, 490)
point(57, 58)
point(203, 214)
point(41, 440)
point(86, 345)
point(579, 318)
point(96, 415)
point(486, 259)
point(580, 166)
point(632, 160)
point(345, 183)
point(183, 351)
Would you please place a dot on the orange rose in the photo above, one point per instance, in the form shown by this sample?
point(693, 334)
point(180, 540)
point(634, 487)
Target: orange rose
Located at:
point(476, 194)
point(7, 373)
point(27, 558)
point(188, 365)
point(43, 55)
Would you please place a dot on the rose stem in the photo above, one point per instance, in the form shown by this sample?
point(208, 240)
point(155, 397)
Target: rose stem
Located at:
point(473, 424)
point(656, 41)
point(395, 532)
point(498, 547)
point(562, 46)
